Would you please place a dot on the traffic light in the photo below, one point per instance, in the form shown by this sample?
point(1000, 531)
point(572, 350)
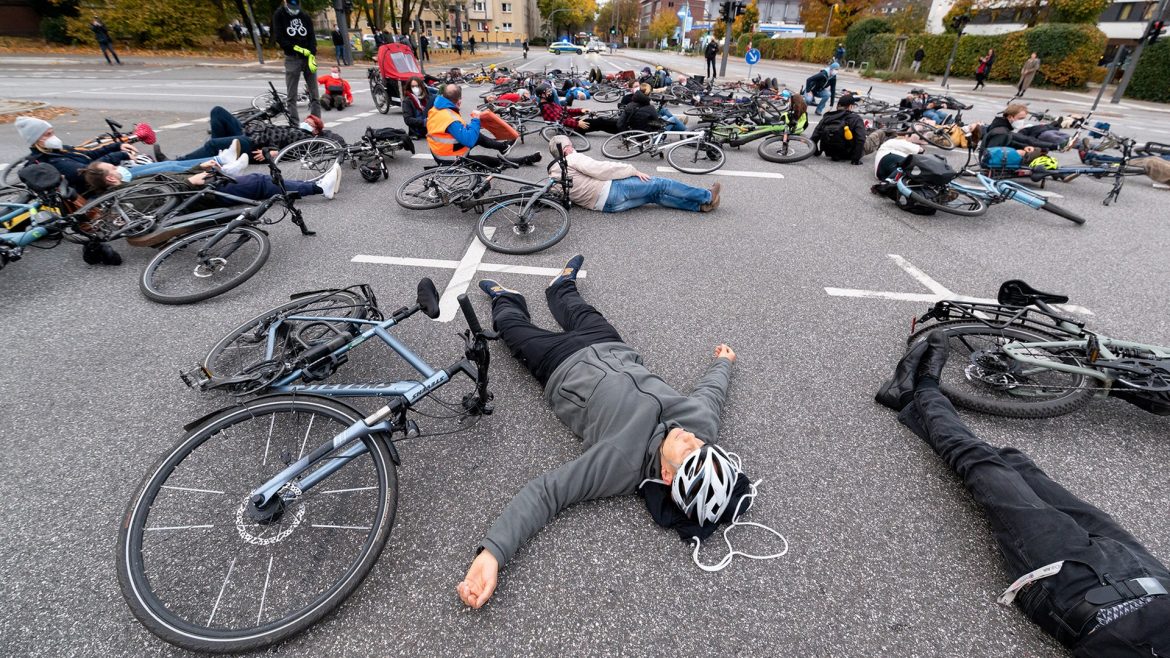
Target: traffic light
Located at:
point(613, 30)
point(1154, 31)
point(724, 12)
point(959, 22)
point(740, 9)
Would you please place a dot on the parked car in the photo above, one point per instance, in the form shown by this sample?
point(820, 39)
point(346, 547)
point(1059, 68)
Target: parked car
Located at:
point(562, 47)
point(439, 43)
point(595, 47)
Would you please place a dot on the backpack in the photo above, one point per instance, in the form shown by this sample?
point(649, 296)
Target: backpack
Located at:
point(836, 137)
point(1001, 157)
point(930, 170)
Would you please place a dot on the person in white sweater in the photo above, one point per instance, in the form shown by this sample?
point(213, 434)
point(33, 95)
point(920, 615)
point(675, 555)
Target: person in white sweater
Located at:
point(615, 187)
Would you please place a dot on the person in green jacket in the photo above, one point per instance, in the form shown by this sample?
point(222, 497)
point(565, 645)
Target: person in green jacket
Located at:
point(640, 434)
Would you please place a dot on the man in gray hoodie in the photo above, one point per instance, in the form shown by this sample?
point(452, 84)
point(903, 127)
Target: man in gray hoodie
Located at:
point(634, 426)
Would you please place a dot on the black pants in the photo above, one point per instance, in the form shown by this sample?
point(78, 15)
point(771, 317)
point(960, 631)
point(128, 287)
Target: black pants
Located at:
point(602, 124)
point(107, 50)
point(1035, 520)
point(541, 350)
point(711, 68)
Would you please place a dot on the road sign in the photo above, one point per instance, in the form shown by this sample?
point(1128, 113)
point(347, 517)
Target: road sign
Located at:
point(752, 56)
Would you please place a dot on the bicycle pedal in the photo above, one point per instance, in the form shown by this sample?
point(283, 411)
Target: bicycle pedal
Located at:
point(196, 377)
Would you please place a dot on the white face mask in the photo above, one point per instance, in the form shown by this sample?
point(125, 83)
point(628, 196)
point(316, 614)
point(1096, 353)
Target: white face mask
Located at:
point(1017, 124)
point(415, 90)
point(125, 174)
point(53, 143)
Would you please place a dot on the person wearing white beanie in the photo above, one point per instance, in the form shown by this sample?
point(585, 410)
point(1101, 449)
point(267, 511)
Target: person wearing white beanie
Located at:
point(46, 147)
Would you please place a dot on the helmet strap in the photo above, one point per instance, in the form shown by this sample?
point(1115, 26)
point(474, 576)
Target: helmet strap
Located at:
point(731, 552)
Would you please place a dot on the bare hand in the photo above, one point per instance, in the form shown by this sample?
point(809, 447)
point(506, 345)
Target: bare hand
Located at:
point(129, 149)
point(725, 352)
point(198, 179)
point(642, 177)
point(480, 582)
point(475, 114)
point(583, 124)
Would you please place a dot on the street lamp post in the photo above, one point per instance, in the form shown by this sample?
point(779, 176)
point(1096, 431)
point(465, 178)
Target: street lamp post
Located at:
point(830, 21)
point(550, 20)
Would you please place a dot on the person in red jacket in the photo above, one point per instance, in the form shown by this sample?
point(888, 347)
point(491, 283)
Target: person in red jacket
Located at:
point(337, 93)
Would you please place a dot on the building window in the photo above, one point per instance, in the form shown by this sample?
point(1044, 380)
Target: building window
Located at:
point(477, 6)
point(1148, 14)
point(1126, 10)
point(483, 26)
point(507, 27)
point(506, 7)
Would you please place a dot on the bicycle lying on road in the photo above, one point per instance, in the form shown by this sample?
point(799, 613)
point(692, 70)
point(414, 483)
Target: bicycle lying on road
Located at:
point(269, 514)
point(694, 152)
point(1021, 358)
point(310, 159)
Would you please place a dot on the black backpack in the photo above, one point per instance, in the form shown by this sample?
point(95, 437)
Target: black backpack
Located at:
point(833, 140)
point(930, 170)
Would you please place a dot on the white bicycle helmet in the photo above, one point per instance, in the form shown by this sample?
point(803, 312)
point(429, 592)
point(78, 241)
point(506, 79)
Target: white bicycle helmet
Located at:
point(703, 485)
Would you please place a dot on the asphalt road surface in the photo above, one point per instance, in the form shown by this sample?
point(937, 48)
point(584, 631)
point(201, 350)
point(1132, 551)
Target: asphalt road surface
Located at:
point(888, 556)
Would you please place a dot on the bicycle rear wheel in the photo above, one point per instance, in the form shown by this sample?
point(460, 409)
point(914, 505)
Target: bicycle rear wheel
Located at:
point(11, 173)
point(245, 347)
point(950, 200)
point(509, 228)
point(267, 100)
point(432, 188)
point(200, 569)
point(129, 212)
point(696, 157)
point(786, 151)
point(180, 275)
point(933, 135)
point(626, 145)
point(381, 98)
point(980, 376)
point(580, 142)
point(1061, 212)
point(309, 159)
point(609, 95)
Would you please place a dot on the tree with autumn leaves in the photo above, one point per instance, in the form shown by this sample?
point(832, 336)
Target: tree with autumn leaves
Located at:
point(814, 14)
point(567, 14)
point(626, 17)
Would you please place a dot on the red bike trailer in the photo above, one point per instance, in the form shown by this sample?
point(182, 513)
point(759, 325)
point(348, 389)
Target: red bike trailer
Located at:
point(396, 64)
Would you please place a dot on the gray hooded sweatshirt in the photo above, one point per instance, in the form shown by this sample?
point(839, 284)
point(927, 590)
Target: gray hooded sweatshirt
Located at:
point(622, 412)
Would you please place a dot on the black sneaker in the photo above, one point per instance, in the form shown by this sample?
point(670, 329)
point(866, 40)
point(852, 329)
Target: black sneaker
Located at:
point(493, 289)
point(570, 272)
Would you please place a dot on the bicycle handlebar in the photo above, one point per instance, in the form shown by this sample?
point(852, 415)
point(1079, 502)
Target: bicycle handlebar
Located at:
point(469, 315)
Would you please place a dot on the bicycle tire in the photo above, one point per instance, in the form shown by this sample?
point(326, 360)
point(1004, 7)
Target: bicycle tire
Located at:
point(130, 211)
point(10, 175)
point(308, 159)
point(969, 204)
point(172, 591)
point(158, 287)
point(527, 235)
point(933, 135)
point(380, 97)
point(626, 145)
point(958, 387)
point(1062, 212)
point(431, 189)
point(608, 95)
point(245, 346)
point(266, 100)
point(580, 142)
point(774, 149)
point(696, 157)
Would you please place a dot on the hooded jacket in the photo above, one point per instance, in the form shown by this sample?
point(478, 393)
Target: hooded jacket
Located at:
point(287, 29)
point(622, 412)
point(819, 80)
point(70, 160)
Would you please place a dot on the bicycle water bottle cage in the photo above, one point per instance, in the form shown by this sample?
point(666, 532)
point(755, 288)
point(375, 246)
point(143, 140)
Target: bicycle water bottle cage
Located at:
point(1018, 293)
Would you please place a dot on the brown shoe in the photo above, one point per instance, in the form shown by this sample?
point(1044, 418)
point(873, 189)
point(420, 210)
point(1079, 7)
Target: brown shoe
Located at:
point(158, 237)
point(714, 203)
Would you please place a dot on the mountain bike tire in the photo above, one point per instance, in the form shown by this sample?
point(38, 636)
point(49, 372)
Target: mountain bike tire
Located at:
point(798, 148)
point(1067, 393)
point(177, 266)
point(608, 96)
point(245, 346)
point(1062, 212)
point(380, 97)
point(961, 203)
point(177, 594)
point(10, 175)
point(431, 188)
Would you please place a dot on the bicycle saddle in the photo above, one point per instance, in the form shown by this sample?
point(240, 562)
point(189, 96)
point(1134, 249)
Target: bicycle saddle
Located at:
point(40, 177)
point(1018, 293)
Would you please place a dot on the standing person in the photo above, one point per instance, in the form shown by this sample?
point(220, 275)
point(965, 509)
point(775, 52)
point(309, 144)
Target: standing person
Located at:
point(104, 41)
point(525, 49)
point(338, 95)
point(293, 30)
point(424, 48)
point(1027, 73)
point(839, 53)
point(1101, 592)
point(919, 55)
point(984, 69)
point(459, 45)
point(822, 87)
point(471, 42)
point(710, 52)
point(338, 46)
point(639, 434)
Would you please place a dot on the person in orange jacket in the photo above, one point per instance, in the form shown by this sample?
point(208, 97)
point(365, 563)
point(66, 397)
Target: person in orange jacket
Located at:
point(337, 93)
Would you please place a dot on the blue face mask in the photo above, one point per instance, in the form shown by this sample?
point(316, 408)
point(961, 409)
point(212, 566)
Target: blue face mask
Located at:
point(125, 174)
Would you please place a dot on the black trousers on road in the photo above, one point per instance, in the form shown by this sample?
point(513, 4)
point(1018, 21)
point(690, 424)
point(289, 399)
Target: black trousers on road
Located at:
point(541, 350)
point(1037, 522)
point(296, 68)
point(711, 68)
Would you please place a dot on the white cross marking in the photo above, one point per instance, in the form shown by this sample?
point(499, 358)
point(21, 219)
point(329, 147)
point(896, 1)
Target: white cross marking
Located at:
point(937, 292)
point(465, 270)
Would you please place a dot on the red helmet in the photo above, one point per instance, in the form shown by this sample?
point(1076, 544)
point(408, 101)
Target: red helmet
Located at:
point(145, 133)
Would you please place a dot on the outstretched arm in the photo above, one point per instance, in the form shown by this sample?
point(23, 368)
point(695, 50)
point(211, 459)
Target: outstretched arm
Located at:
point(711, 391)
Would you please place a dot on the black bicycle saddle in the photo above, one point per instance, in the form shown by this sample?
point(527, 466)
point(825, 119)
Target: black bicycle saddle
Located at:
point(1018, 293)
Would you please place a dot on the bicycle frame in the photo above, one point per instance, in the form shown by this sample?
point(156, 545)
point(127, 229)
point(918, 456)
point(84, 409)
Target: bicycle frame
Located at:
point(998, 191)
point(1018, 351)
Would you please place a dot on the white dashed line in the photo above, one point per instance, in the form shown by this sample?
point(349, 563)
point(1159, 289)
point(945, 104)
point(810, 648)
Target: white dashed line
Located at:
point(172, 126)
point(730, 172)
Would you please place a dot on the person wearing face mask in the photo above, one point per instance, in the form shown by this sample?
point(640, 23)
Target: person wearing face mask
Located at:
point(822, 87)
point(257, 136)
point(46, 147)
point(1008, 129)
point(337, 92)
point(227, 162)
point(293, 30)
point(416, 103)
point(640, 435)
point(103, 176)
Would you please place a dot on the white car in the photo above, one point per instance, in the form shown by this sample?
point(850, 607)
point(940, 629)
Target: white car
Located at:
point(440, 43)
point(595, 47)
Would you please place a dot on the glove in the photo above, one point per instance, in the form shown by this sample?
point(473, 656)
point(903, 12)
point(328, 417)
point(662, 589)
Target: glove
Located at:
point(309, 56)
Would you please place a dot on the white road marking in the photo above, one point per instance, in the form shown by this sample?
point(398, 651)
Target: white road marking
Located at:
point(421, 156)
point(465, 270)
point(172, 126)
point(3, 166)
point(938, 292)
point(347, 119)
point(728, 172)
point(332, 124)
point(202, 120)
point(339, 527)
point(106, 92)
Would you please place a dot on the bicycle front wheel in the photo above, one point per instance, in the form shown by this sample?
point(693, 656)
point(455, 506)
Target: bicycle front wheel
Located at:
point(510, 228)
point(786, 149)
point(381, 98)
point(626, 145)
point(309, 159)
point(11, 173)
point(933, 135)
point(131, 211)
point(696, 157)
point(245, 347)
point(432, 188)
point(203, 570)
point(191, 269)
point(267, 100)
point(608, 95)
point(950, 200)
point(580, 142)
point(980, 376)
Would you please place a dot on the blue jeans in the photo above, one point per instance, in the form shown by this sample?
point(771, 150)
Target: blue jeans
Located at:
point(934, 115)
point(168, 167)
point(224, 128)
point(339, 51)
point(824, 96)
point(672, 122)
point(627, 193)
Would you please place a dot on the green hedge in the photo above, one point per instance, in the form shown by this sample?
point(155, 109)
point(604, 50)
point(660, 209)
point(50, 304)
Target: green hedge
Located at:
point(1069, 53)
point(817, 50)
point(1150, 80)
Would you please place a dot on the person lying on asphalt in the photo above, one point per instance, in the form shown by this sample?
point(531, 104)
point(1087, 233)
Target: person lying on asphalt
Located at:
point(103, 176)
point(45, 147)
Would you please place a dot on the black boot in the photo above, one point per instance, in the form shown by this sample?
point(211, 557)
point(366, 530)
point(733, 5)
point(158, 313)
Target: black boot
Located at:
point(925, 359)
point(938, 349)
point(97, 253)
point(159, 156)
